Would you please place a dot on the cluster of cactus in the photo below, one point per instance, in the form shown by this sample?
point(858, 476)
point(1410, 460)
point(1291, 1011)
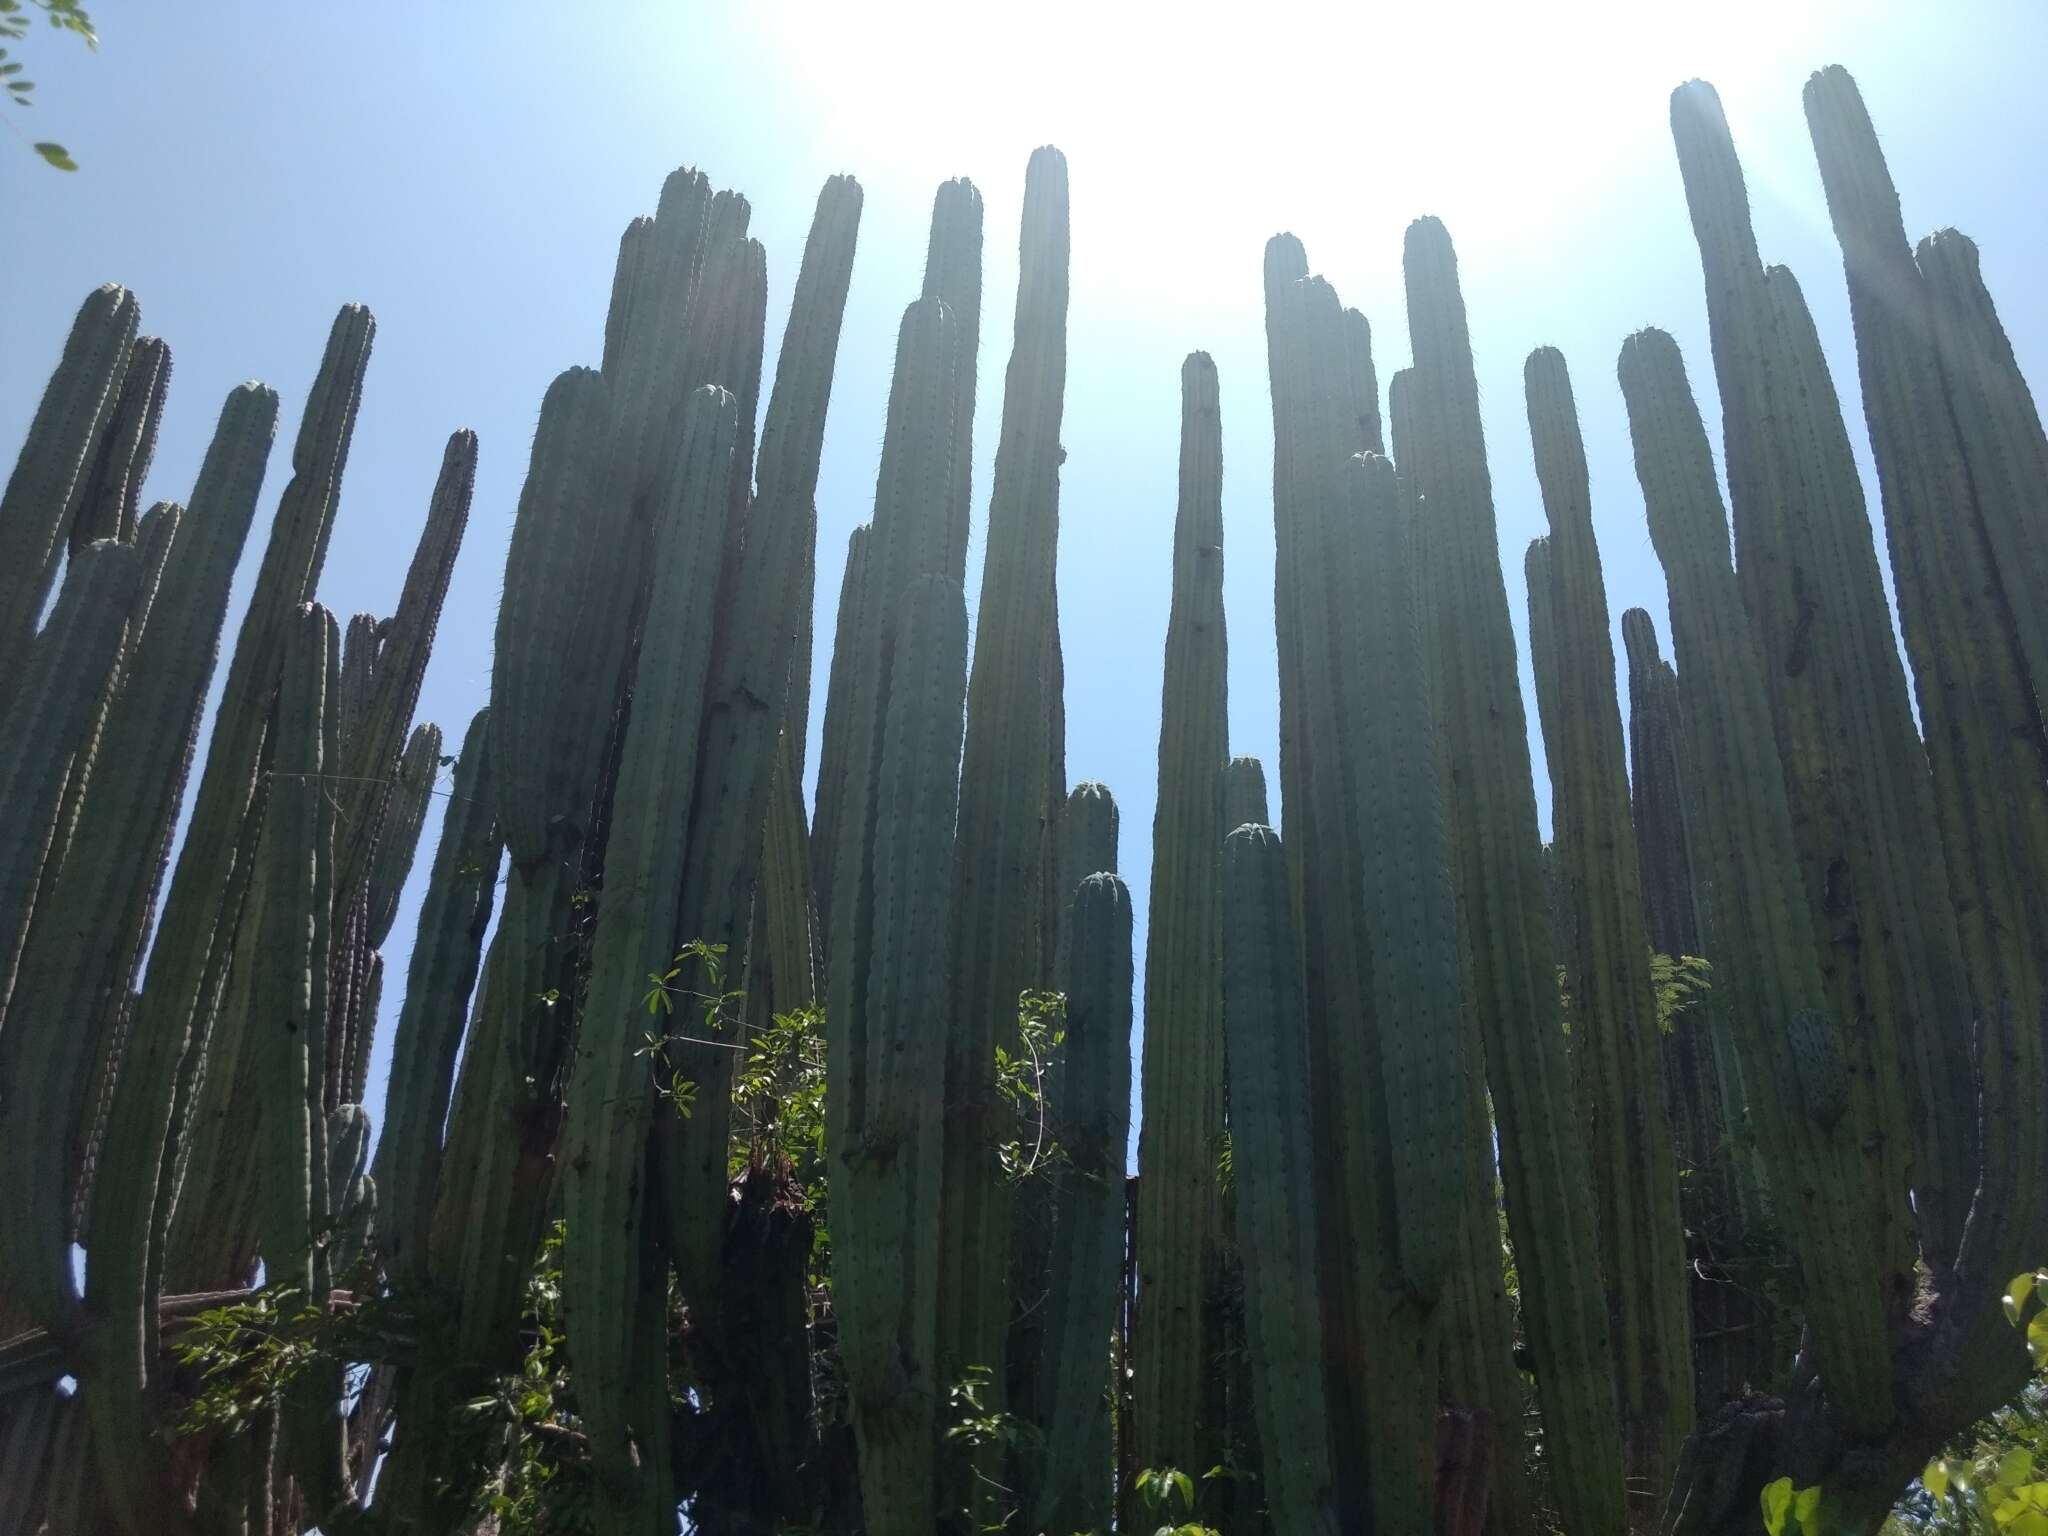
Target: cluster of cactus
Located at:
point(1365, 1044)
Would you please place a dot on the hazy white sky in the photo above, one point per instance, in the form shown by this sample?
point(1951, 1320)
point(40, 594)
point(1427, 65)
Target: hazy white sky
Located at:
point(465, 169)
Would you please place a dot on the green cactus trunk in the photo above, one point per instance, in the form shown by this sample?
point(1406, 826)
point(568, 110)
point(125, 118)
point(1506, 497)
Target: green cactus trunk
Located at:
point(1491, 809)
point(1090, 1114)
point(1760, 931)
point(1952, 428)
point(1266, 1024)
point(1180, 1228)
point(607, 1101)
point(1012, 787)
point(1616, 1049)
point(744, 697)
point(440, 975)
point(887, 1145)
point(1244, 793)
point(53, 475)
point(835, 745)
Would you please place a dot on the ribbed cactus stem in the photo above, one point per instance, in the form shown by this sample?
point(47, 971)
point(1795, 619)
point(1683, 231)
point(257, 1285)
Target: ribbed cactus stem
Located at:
point(743, 697)
point(405, 817)
point(1089, 830)
point(49, 728)
point(1856, 777)
point(1266, 1025)
point(1244, 793)
point(835, 742)
point(50, 478)
point(1953, 427)
point(952, 275)
point(111, 503)
point(1012, 781)
point(1497, 869)
point(608, 1098)
point(1761, 930)
point(886, 1125)
point(1616, 1047)
point(286, 1001)
point(1091, 1122)
point(440, 974)
point(1180, 1216)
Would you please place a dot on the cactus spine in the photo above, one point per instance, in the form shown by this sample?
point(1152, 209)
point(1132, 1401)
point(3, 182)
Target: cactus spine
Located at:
point(1012, 782)
point(1760, 926)
point(1180, 1216)
point(1616, 1051)
point(1491, 807)
point(51, 478)
point(1091, 1116)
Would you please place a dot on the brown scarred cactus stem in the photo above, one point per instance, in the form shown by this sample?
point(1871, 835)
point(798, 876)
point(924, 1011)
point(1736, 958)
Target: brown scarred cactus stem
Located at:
point(112, 497)
point(440, 975)
point(1091, 1121)
point(607, 1100)
point(1180, 1216)
point(1497, 867)
point(1616, 1045)
point(1952, 427)
point(49, 727)
point(742, 702)
point(1012, 783)
point(834, 743)
point(52, 475)
point(1855, 773)
point(1266, 1024)
point(1761, 929)
point(1244, 793)
point(886, 1126)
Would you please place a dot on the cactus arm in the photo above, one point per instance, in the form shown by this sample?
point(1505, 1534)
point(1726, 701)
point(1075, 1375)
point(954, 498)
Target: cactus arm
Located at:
point(952, 275)
point(1244, 793)
point(1497, 864)
point(1616, 1046)
point(607, 1100)
point(835, 745)
point(1266, 1026)
point(49, 481)
point(1179, 1215)
point(1092, 1113)
point(440, 974)
point(112, 497)
point(1011, 787)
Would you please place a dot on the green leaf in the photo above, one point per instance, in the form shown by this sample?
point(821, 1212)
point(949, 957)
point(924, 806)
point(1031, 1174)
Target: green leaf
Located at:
point(2015, 1467)
point(1806, 1510)
point(57, 156)
point(1935, 1479)
point(1777, 1502)
point(2016, 1296)
point(2037, 1340)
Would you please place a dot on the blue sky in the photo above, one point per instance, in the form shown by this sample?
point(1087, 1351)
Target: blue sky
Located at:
point(465, 169)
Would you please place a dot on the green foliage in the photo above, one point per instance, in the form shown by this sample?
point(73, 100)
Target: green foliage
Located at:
point(1020, 1079)
point(1990, 1482)
point(1168, 1497)
point(1789, 1510)
point(65, 16)
point(1682, 984)
point(722, 1012)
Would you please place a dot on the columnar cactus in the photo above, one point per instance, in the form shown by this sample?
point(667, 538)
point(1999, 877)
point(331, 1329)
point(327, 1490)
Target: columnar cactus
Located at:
point(1491, 807)
point(952, 275)
point(1012, 781)
point(887, 1134)
point(112, 497)
point(1616, 1049)
point(1855, 773)
point(440, 975)
point(1244, 793)
point(1266, 1024)
point(835, 742)
point(608, 1101)
point(743, 698)
point(1760, 927)
point(1180, 1216)
point(1090, 1115)
point(1954, 434)
point(51, 478)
